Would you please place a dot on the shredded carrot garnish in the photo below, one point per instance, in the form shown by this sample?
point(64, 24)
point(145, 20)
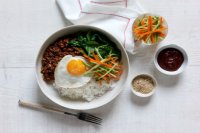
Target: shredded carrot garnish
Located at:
point(95, 56)
point(150, 29)
point(110, 68)
point(150, 23)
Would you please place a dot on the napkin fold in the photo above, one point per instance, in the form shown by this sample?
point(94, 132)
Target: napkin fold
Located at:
point(114, 16)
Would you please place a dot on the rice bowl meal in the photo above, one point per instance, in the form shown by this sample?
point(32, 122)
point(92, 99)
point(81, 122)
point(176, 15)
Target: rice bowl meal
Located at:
point(82, 66)
point(70, 72)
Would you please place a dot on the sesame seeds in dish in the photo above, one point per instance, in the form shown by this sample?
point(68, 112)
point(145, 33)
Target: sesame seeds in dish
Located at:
point(143, 85)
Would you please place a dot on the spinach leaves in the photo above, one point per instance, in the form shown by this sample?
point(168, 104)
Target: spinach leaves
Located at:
point(95, 42)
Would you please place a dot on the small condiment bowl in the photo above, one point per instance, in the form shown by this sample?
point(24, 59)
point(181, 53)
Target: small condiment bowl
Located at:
point(147, 15)
point(139, 94)
point(179, 70)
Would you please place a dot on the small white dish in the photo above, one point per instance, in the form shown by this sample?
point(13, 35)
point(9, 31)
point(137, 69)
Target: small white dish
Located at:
point(139, 94)
point(179, 70)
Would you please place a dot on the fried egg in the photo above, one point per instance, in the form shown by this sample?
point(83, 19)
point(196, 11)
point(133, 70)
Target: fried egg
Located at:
point(69, 72)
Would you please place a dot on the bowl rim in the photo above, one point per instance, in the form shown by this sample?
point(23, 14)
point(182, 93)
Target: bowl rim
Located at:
point(178, 71)
point(140, 94)
point(93, 28)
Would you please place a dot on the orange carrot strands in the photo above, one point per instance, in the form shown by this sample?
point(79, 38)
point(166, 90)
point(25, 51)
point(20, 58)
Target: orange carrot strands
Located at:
point(162, 35)
point(101, 63)
point(143, 22)
point(111, 75)
point(150, 32)
point(144, 37)
point(104, 70)
point(86, 56)
point(141, 31)
point(98, 62)
point(155, 31)
point(105, 78)
point(95, 56)
point(152, 39)
point(150, 23)
point(149, 29)
point(141, 28)
point(114, 59)
point(97, 73)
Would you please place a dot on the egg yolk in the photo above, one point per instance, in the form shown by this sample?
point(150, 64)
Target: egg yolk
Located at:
point(76, 67)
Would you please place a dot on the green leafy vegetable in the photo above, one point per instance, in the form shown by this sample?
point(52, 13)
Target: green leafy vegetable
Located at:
point(95, 42)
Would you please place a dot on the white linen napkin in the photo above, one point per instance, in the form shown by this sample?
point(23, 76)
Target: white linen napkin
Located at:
point(114, 16)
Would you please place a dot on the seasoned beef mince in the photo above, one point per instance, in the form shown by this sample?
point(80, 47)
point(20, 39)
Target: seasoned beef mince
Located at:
point(53, 54)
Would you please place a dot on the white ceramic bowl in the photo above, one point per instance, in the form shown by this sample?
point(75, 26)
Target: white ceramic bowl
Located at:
point(185, 62)
point(141, 94)
point(53, 95)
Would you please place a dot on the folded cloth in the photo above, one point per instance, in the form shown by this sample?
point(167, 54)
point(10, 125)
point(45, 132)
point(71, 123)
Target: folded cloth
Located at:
point(114, 16)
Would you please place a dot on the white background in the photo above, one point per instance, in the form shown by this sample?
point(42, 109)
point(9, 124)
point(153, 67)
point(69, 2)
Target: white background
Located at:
point(175, 107)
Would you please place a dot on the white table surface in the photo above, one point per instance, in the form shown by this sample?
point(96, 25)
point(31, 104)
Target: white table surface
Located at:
point(175, 107)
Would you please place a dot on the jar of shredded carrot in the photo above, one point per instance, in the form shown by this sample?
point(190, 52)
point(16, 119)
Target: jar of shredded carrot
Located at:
point(150, 29)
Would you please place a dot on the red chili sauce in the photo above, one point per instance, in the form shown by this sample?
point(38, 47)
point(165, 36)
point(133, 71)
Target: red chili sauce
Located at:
point(170, 59)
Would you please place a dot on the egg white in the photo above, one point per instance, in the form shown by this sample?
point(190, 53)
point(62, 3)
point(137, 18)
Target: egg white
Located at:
point(64, 79)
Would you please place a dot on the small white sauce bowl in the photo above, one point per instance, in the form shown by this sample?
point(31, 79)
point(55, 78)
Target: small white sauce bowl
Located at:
point(178, 71)
point(141, 94)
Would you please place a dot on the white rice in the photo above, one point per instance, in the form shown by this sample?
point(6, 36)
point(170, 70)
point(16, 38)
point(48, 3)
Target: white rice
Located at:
point(87, 92)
